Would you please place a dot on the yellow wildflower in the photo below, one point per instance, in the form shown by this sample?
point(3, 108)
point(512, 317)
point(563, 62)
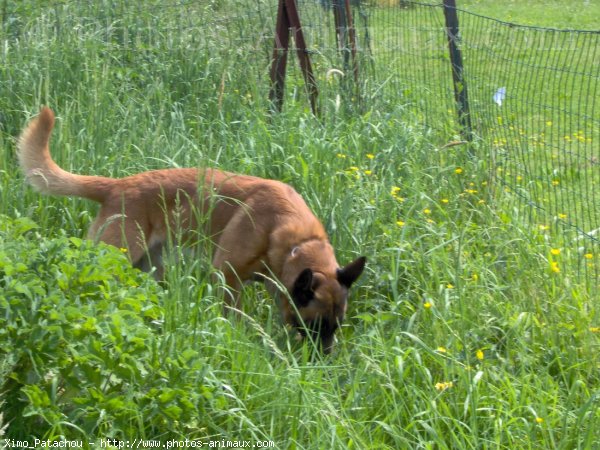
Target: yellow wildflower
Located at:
point(394, 193)
point(479, 355)
point(444, 385)
point(555, 251)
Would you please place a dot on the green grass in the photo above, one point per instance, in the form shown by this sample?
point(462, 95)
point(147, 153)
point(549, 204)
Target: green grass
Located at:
point(540, 13)
point(468, 330)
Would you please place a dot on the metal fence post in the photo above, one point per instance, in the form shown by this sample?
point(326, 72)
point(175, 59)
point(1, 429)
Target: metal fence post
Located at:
point(460, 85)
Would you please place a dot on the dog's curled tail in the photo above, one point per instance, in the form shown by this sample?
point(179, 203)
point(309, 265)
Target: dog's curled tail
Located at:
point(43, 173)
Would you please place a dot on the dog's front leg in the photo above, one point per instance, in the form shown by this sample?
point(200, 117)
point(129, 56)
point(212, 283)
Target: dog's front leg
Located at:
point(240, 252)
point(236, 269)
point(231, 289)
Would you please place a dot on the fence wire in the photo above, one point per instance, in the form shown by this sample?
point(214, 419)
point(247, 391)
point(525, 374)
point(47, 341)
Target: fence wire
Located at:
point(534, 96)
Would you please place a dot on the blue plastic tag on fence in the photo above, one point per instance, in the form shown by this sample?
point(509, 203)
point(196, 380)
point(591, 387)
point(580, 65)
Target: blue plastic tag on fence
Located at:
point(500, 95)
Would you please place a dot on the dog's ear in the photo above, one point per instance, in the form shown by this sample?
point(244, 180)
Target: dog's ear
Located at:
point(302, 292)
point(348, 274)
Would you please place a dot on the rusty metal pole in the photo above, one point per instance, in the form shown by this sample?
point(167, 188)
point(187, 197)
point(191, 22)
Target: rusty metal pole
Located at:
point(302, 51)
point(288, 21)
point(279, 61)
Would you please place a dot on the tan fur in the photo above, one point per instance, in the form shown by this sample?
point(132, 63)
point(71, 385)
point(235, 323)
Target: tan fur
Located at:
point(258, 226)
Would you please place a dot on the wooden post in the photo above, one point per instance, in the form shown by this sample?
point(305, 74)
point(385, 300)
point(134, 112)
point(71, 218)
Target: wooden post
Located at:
point(352, 38)
point(346, 40)
point(288, 21)
point(341, 28)
point(460, 85)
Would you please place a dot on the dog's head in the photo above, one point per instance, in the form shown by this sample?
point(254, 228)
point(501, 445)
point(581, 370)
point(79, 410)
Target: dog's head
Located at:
point(320, 301)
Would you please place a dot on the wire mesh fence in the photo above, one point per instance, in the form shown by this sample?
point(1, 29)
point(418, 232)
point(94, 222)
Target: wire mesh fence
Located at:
point(534, 95)
point(533, 103)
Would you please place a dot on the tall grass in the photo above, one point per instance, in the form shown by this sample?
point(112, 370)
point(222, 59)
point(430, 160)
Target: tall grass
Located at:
point(466, 331)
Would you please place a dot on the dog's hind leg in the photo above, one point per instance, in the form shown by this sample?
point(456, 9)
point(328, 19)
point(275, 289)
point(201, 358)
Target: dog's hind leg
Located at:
point(152, 259)
point(124, 233)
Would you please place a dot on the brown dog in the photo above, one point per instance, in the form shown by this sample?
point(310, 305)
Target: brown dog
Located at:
point(259, 227)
